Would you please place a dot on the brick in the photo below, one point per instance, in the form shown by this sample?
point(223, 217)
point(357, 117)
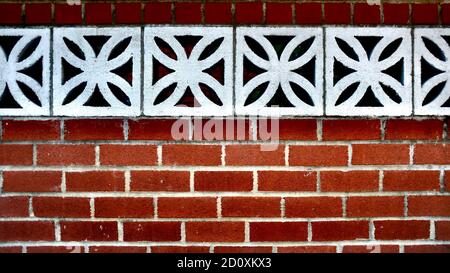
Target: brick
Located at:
point(69, 207)
point(445, 14)
point(411, 181)
point(98, 13)
point(55, 249)
point(158, 13)
point(447, 180)
point(38, 13)
point(223, 181)
point(152, 231)
point(351, 181)
point(128, 155)
point(117, 249)
point(425, 14)
point(254, 155)
point(11, 249)
point(171, 181)
point(340, 230)
point(16, 154)
point(196, 207)
point(16, 206)
point(215, 231)
point(308, 13)
point(370, 249)
point(94, 181)
point(242, 249)
point(287, 181)
point(312, 207)
point(307, 249)
point(380, 154)
point(427, 249)
point(365, 14)
point(442, 229)
point(89, 231)
point(414, 129)
point(14, 130)
point(128, 13)
point(191, 155)
point(93, 129)
point(251, 207)
point(26, 231)
point(375, 206)
point(429, 205)
point(221, 129)
point(188, 13)
point(59, 154)
point(248, 12)
point(68, 14)
point(110, 207)
point(10, 14)
point(396, 14)
point(180, 249)
point(337, 13)
point(158, 129)
point(278, 231)
point(402, 230)
point(31, 181)
point(218, 13)
point(318, 155)
point(293, 129)
point(278, 13)
point(432, 154)
point(351, 130)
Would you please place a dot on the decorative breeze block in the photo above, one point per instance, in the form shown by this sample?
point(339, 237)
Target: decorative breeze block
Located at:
point(368, 71)
point(24, 72)
point(279, 71)
point(188, 71)
point(97, 71)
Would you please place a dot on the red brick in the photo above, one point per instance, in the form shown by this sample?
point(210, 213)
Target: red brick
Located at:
point(58, 154)
point(93, 181)
point(337, 13)
point(221, 129)
point(218, 13)
point(351, 181)
point(188, 13)
point(249, 12)
point(399, 129)
point(128, 155)
point(442, 230)
point(196, 207)
point(55, 249)
point(110, 207)
point(287, 181)
point(254, 155)
point(308, 13)
point(191, 155)
point(351, 130)
point(93, 129)
point(69, 207)
point(68, 14)
point(251, 207)
point(429, 205)
point(157, 129)
point(128, 13)
point(14, 206)
point(215, 231)
point(31, 130)
point(180, 249)
point(402, 230)
point(432, 154)
point(307, 249)
point(38, 13)
point(427, 249)
point(242, 249)
point(365, 14)
point(425, 14)
point(318, 155)
point(375, 206)
point(278, 231)
point(16, 154)
point(26, 231)
point(31, 181)
point(380, 154)
point(411, 181)
point(158, 13)
point(312, 207)
point(223, 181)
point(396, 14)
point(89, 231)
point(172, 181)
point(98, 13)
point(117, 249)
point(152, 231)
point(445, 14)
point(340, 230)
point(292, 129)
point(10, 14)
point(278, 13)
point(370, 249)
point(11, 249)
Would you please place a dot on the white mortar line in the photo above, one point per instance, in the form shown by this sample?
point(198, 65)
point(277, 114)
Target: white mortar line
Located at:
point(255, 181)
point(247, 232)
